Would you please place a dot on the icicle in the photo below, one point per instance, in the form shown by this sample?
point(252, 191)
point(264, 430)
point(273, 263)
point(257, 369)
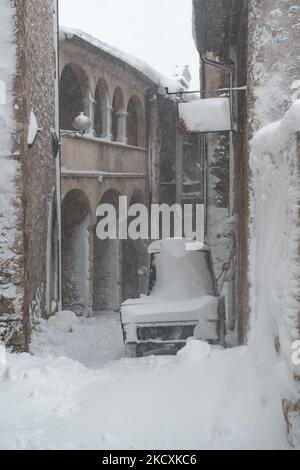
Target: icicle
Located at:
point(2, 354)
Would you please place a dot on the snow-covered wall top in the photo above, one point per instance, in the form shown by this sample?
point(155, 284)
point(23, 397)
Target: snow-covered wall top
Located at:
point(159, 79)
point(8, 169)
point(7, 70)
point(7, 165)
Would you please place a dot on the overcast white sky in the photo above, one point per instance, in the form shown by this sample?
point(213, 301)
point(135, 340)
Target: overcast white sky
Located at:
point(156, 31)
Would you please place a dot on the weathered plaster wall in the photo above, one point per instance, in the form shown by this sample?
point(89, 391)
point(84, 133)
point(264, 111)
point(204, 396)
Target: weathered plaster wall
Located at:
point(110, 274)
point(274, 71)
point(35, 92)
point(273, 61)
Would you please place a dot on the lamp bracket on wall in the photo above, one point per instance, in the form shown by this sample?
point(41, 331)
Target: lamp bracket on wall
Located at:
point(182, 91)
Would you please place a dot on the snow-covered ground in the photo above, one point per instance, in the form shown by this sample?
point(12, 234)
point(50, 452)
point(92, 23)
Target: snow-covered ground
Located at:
point(77, 392)
point(91, 341)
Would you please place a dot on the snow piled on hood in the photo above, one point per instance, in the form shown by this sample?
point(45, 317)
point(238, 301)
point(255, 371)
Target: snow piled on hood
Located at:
point(162, 81)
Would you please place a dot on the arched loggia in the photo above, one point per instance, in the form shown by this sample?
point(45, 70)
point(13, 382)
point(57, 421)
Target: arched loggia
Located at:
point(102, 111)
point(135, 260)
point(74, 95)
point(107, 262)
point(118, 125)
point(76, 221)
point(135, 122)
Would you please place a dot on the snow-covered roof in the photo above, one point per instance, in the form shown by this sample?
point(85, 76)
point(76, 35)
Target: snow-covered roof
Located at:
point(142, 67)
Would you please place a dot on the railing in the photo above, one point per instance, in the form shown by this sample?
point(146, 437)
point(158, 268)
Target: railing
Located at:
point(90, 154)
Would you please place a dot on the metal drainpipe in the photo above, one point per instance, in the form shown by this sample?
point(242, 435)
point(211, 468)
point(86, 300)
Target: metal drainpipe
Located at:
point(229, 69)
point(221, 66)
point(151, 96)
point(58, 157)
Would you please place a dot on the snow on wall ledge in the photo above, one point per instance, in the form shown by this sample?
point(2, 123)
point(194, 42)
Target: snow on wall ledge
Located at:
point(274, 256)
point(9, 305)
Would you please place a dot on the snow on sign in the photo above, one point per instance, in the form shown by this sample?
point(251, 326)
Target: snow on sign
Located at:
point(205, 115)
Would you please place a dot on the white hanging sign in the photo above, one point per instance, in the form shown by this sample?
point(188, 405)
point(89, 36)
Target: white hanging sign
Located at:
point(205, 115)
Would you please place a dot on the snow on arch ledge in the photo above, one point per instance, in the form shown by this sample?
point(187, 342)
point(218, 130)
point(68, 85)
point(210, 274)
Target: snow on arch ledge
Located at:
point(205, 115)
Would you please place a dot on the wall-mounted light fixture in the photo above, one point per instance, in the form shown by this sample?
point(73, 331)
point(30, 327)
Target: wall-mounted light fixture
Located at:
point(33, 130)
point(81, 125)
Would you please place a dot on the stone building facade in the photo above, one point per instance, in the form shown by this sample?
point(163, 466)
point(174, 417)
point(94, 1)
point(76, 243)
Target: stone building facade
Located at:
point(111, 160)
point(132, 150)
point(255, 43)
point(245, 43)
point(29, 246)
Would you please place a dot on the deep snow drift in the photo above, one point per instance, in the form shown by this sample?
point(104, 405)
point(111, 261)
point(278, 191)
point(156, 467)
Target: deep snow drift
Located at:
point(91, 341)
point(201, 398)
point(274, 254)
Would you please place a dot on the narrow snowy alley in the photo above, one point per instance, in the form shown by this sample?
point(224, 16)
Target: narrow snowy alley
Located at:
point(149, 230)
point(99, 400)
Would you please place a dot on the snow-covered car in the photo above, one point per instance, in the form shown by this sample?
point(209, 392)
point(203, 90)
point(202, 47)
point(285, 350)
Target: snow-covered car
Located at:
point(182, 302)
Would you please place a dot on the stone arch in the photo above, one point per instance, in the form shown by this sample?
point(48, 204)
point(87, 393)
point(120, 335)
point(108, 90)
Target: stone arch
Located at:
point(76, 243)
point(74, 95)
point(101, 110)
point(138, 197)
point(111, 196)
point(135, 260)
point(135, 122)
point(118, 128)
point(130, 270)
point(106, 267)
point(52, 258)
